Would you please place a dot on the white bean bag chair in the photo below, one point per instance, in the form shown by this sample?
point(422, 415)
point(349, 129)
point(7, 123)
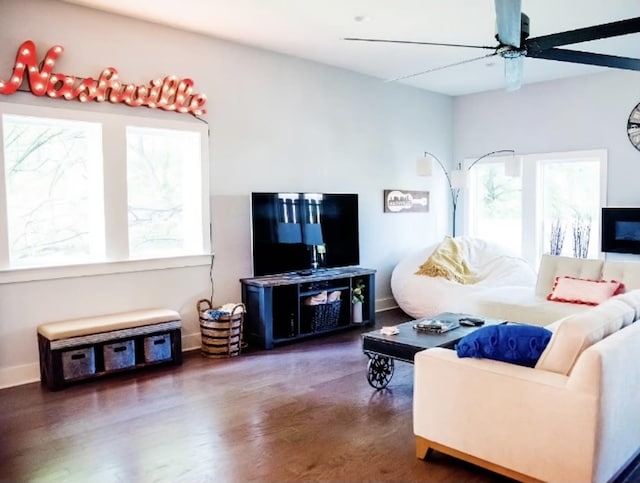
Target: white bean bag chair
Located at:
point(425, 296)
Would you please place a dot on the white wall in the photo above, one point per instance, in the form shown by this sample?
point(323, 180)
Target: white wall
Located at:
point(580, 113)
point(277, 123)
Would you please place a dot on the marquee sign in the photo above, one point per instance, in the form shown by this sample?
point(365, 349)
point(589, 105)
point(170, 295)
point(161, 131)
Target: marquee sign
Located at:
point(169, 93)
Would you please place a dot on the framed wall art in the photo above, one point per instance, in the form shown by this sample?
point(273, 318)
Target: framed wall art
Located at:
point(406, 201)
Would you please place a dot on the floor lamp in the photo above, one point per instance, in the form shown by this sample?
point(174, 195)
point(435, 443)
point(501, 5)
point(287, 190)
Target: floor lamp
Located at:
point(457, 179)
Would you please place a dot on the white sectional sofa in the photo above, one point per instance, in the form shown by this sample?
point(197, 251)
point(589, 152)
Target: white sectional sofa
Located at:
point(574, 417)
point(507, 287)
point(530, 305)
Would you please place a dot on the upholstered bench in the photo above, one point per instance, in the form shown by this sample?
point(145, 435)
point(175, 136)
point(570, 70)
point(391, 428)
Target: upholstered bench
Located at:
point(79, 349)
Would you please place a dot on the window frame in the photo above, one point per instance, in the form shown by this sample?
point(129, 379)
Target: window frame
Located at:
point(114, 180)
point(532, 203)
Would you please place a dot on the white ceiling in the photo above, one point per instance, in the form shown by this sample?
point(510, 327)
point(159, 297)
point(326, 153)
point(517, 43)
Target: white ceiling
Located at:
point(315, 29)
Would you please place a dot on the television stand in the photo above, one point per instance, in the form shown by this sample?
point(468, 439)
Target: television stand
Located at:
point(279, 310)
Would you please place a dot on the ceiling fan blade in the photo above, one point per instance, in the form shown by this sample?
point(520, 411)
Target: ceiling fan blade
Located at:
point(441, 67)
point(579, 57)
point(508, 21)
point(613, 29)
point(421, 43)
point(513, 72)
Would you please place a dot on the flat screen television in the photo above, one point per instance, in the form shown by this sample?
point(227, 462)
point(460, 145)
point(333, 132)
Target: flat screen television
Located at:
point(621, 230)
point(303, 232)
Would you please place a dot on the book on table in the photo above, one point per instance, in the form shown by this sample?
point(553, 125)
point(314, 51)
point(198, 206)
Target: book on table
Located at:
point(435, 326)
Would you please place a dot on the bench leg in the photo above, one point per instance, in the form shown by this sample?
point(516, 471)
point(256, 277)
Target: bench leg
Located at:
point(50, 365)
point(176, 346)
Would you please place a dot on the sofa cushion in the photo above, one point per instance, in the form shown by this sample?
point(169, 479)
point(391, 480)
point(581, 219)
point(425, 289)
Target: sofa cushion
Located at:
point(552, 266)
point(631, 298)
point(626, 272)
point(582, 291)
point(577, 332)
point(520, 344)
point(520, 304)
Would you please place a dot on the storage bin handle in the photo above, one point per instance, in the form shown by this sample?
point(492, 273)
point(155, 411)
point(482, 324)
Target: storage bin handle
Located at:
point(241, 307)
point(201, 302)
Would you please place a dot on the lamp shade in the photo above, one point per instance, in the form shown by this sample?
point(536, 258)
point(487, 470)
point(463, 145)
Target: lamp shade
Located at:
point(424, 166)
point(513, 166)
point(312, 234)
point(459, 179)
point(289, 233)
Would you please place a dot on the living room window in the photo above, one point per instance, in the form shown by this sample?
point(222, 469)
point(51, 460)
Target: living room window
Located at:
point(495, 204)
point(554, 207)
point(53, 190)
point(84, 189)
point(164, 199)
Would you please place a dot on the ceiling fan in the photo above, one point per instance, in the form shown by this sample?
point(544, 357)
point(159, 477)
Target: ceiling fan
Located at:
point(514, 44)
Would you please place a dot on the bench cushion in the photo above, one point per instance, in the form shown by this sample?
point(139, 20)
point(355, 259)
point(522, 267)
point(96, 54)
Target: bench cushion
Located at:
point(105, 323)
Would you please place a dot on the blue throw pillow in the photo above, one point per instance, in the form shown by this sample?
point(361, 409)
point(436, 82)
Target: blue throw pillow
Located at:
point(520, 344)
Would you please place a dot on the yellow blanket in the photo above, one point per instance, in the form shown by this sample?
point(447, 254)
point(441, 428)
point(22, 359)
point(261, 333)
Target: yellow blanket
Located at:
point(448, 261)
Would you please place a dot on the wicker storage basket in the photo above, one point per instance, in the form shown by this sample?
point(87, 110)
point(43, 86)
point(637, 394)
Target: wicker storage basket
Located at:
point(322, 316)
point(221, 337)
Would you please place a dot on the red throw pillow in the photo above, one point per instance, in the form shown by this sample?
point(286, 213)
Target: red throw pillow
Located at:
point(583, 291)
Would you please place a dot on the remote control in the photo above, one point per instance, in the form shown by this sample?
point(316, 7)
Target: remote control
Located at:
point(471, 321)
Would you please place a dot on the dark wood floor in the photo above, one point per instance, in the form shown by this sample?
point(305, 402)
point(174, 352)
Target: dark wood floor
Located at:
point(302, 412)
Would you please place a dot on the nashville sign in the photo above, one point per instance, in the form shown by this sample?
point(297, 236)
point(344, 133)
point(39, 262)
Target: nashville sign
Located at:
point(170, 93)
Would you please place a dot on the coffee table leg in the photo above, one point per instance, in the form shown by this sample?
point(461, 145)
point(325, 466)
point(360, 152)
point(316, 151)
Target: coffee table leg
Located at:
point(379, 370)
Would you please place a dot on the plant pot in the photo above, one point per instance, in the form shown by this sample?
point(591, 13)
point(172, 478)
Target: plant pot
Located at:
point(356, 312)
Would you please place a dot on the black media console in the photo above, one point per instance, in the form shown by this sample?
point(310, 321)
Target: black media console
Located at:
point(278, 308)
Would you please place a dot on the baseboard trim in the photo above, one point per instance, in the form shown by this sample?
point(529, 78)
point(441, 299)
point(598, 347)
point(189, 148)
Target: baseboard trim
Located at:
point(384, 304)
point(18, 375)
point(191, 342)
point(28, 373)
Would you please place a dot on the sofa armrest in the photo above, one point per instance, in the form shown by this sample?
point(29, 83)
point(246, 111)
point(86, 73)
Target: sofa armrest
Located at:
point(513, 416)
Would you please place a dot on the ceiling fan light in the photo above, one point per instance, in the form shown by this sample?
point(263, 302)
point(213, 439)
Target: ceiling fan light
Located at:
point(513, 72)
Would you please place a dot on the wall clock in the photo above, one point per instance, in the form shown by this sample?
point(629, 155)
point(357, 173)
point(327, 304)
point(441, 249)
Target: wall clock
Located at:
point(633, 127)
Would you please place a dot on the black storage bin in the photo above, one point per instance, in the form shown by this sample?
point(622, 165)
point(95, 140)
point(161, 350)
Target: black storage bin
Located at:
point(322, 316)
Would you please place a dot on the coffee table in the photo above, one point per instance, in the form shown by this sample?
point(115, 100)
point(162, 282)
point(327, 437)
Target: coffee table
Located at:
point(382, 350)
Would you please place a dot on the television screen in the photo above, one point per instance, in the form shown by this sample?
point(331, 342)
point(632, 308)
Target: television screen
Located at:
point(627, 230)
point(302, 232)
point(621, 230)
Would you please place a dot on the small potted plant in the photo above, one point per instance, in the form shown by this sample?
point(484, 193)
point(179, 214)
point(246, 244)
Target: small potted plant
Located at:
point(357, 298)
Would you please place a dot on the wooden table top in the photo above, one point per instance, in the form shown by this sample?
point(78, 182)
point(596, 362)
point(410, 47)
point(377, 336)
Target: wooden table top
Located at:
point(408, 341)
